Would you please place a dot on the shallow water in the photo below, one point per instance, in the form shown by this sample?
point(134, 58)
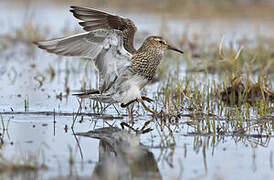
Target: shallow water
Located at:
point(49, 138)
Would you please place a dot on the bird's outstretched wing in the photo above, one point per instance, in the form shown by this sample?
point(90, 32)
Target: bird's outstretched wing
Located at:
point(86, 45)
point(93, 19)
point(105, 47)
point(109, 42)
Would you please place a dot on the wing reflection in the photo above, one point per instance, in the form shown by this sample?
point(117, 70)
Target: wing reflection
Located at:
point(121, 156)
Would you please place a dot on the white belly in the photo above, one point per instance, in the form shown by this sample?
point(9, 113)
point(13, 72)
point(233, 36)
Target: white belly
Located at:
point(130, 89)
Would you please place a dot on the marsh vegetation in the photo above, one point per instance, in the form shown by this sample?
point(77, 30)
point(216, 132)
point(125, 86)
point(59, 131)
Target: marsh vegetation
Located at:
point(214, 104)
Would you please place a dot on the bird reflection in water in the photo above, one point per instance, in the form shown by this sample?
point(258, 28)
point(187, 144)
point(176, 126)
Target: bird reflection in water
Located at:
point(122, 156)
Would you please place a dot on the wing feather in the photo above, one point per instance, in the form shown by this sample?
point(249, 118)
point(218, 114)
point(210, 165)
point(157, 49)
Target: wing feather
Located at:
point(95, 19)
point(87, 45)
point(105, 47)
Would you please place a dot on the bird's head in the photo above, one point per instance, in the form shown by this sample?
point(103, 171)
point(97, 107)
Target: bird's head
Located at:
point(160, 43)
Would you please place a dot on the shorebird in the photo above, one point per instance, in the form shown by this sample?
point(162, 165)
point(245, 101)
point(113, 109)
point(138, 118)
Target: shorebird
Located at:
point(109, 43)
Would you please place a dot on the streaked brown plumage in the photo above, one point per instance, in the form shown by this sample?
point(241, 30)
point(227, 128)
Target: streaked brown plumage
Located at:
point(109, 42)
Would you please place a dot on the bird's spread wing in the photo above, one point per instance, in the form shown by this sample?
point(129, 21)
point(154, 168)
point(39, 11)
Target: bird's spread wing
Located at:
point(105, 47)
point(87, 45)
point(109, 42)
point(93, 19)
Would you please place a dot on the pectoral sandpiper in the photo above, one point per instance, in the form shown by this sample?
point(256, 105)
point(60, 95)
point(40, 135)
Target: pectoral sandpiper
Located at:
point(123, 70)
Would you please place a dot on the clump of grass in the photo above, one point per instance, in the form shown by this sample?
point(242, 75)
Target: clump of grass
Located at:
point(242, 90)
point(27, 163)
point(27, 34)
point(249, 59)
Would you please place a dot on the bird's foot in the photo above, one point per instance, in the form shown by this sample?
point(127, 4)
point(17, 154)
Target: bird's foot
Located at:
point(144, 98)
point(141, 100)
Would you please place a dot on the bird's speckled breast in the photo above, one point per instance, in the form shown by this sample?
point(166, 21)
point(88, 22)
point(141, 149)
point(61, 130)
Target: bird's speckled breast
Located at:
point(145, 63)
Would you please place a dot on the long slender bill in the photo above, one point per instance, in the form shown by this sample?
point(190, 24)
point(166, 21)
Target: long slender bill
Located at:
point(175, 49)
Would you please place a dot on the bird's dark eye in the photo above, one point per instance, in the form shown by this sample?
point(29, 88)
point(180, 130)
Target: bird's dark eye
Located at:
point(162, 42)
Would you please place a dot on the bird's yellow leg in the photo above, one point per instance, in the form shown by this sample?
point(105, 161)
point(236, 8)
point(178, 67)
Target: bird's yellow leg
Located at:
point(127, 104)
point(144, 105)
point(147, 99)
point(132, 101)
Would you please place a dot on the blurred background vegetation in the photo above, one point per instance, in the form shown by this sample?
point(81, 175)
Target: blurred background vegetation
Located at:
point(182, 8)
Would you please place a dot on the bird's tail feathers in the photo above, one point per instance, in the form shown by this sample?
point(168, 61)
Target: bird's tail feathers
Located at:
point(104, 98)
